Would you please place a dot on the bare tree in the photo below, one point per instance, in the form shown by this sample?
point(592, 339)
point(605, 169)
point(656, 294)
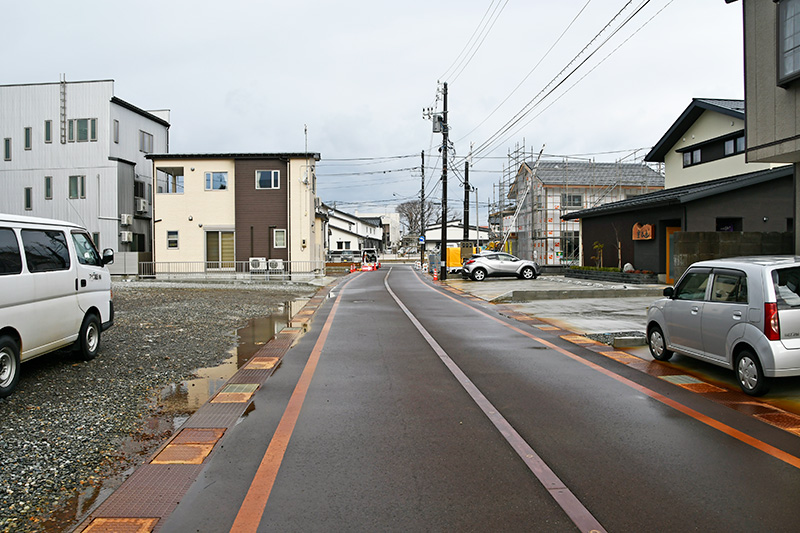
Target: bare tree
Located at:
point(411, 213)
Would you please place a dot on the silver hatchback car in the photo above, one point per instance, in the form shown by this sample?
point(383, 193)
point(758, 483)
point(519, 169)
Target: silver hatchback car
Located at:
point(740, 313)
point(484, 264)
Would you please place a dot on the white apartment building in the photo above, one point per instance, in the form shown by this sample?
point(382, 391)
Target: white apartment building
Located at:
point(74, 151)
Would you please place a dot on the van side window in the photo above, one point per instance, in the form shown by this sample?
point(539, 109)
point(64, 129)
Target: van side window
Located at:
point(692, 286)
point(85, 250)
point(10, 258)
point(729, 287)
point(45, 250)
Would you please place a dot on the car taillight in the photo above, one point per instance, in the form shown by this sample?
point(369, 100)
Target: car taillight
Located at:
point(772, 328)
point(469, 261)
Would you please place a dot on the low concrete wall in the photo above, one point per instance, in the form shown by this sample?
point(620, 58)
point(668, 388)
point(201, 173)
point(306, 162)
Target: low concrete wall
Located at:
point(688, 247)
point(613, 277)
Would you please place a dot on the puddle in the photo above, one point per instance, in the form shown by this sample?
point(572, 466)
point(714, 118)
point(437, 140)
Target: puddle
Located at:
point(184, 398)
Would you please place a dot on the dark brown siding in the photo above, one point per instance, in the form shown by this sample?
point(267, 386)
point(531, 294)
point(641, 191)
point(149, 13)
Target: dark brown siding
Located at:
point(259, 209)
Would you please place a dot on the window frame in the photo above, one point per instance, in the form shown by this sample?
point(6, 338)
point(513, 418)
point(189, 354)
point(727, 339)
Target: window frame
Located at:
point(209, 185)
point(28, 198)
point(145, 142)
point(785, 79)
point(28, 137)
point(7, 149)
point(48, 131)
point(80, 186)
point(116, 131)
point(282, 231)
point(48, 187)
point(275, 179)
point(10, 263)
point(173, 235)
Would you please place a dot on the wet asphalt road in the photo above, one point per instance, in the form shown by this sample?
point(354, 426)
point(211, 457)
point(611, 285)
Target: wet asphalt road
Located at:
point(388, 439)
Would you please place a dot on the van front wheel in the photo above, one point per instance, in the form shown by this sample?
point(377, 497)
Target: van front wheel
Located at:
point(9, 365)
point(89, 338)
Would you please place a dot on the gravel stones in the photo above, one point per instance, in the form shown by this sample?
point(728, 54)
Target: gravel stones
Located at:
point(64, 427)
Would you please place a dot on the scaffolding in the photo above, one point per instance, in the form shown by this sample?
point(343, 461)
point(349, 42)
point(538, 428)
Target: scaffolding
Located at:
point(560, 185)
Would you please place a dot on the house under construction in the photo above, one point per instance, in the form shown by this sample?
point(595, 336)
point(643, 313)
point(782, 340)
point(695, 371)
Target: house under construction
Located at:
point(535, 193)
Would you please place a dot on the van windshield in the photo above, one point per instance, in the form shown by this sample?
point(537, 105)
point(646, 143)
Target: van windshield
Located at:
point(787, 287)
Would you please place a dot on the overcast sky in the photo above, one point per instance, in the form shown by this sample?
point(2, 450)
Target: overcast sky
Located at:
point(245, 76)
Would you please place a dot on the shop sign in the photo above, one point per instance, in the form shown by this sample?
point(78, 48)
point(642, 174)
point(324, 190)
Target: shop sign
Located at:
point(643, 232)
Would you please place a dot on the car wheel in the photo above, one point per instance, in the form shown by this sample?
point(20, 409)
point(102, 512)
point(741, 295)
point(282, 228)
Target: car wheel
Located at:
point(527, 273)
point(89, 337)
point(750, 375)
point(657, 344)
point(478, 274)
point(9, 365)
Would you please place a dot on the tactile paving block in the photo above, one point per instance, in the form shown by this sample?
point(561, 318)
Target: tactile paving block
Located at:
point(789, 422)
point(622, 357)
point(198, 436)
point(121, 525)
point(262, 363)
point(578, 339)
point(183, 454)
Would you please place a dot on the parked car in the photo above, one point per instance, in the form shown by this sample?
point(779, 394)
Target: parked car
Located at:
point(55, 291)
point(484, 264)
point(739, 313)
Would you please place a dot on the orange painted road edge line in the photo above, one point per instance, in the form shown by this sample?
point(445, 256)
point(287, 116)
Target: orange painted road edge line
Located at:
point(700, 417)
point(252, 508)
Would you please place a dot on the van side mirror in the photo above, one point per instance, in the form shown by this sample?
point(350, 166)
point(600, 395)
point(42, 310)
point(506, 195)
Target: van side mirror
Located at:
point(108, 256)
point(669, 292)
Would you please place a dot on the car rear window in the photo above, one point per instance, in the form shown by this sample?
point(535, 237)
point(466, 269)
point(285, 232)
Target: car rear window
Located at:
point(787, 287)
point(10, 258)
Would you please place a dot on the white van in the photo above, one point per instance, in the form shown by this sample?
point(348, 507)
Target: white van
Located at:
point(54, 291)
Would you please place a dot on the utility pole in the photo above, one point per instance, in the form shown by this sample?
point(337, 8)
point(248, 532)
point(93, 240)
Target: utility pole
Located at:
point(466, 201)
point(422, 215)
point(443, 251)
point(477, 222)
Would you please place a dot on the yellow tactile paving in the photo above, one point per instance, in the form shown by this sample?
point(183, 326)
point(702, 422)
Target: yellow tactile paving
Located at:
point(578, 339)
point(547, 328)
point(622, 357)
point(231, 397)
point(262, 363)
point(183, 454)
point(121, 525)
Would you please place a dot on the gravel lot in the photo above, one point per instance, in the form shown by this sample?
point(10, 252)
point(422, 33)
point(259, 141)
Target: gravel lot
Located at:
point(73, 429)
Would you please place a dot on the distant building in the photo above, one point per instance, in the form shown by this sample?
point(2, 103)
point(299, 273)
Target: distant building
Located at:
point(557, 188)
point(74, 151)
point(390, 224)
point(348, 234)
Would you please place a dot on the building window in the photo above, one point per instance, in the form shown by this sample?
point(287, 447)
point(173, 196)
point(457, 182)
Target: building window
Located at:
point(729, 224)
point(82, 129)
point(734, 146)
point(268, 179)
point(28, 198)
point(48, 187)
point(172, 240)
point(48, 131)
point(692, 158)
point(7, 149)
point(279, 238)
point(571, 200)
point(116, 131)
point(28, 138)
point(169, 180)
point(216, 181)
point(77, 187)
point(788, 40)
point(569, 244)
point(220, 249)
point(145, 142)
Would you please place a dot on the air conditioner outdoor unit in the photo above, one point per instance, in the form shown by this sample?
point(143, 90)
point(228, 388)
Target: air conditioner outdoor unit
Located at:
point(276, 264)
point(126, 236)
point(141, 205)
point(258, 263)
point(126, 220)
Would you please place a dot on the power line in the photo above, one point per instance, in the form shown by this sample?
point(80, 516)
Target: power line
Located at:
point(481, 42)
point(467, 45)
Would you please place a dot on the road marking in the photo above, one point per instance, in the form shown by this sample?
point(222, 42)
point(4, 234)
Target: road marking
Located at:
point(569, 503)
point(700, 417)
point(252, 508)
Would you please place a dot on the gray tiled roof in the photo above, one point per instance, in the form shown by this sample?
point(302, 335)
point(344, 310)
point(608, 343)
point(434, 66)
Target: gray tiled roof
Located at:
point(684, 194)
point(598, 174)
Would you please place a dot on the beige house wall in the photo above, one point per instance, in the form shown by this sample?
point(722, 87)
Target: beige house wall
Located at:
point(303, 240)
point(193, 212)
point(710, 125)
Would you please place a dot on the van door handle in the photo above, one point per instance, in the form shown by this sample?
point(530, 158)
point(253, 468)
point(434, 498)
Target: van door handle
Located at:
point(83, 283)
point(695, 310)
point(737, 315)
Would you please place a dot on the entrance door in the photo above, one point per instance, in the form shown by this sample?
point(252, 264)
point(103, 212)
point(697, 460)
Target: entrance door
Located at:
point(670, 231)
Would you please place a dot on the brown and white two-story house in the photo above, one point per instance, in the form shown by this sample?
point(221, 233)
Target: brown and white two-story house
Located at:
point(222, 208)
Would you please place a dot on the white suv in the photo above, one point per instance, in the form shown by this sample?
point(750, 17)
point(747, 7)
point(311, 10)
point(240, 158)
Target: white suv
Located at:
point(741, 313)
